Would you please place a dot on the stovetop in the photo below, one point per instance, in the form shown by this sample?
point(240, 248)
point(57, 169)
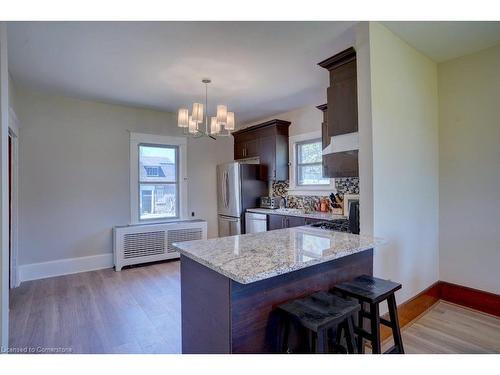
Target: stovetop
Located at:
point(340, 225)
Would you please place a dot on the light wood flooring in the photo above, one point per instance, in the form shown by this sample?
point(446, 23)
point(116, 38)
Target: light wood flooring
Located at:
point(137, 310)
point(447, 328)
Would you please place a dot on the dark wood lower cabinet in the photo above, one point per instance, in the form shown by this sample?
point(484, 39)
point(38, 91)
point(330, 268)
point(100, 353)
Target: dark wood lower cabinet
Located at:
point(294, 221)
point(220, 315)
point(275, 221)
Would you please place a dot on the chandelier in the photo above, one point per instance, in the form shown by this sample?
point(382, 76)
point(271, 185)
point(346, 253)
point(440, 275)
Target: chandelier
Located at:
point(200, 124)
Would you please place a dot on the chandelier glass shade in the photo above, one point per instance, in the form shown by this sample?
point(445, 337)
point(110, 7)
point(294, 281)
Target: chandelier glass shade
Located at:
point(199, 123)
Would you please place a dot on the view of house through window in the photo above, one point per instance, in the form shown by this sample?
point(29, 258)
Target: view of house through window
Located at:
point(309, 163)
point(158, 182)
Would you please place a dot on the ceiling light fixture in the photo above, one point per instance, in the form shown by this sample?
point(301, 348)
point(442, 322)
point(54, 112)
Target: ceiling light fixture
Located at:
point(200, 124)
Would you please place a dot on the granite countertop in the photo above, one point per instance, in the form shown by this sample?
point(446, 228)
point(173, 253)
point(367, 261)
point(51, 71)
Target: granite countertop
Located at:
point(297, 212)
point(248, 258)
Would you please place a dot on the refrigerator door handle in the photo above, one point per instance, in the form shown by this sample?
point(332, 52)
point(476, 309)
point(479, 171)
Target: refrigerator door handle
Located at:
point(226, 188)
point(223, 188)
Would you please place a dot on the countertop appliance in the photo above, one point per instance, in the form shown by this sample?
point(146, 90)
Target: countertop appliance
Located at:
point(255, 223)
point(238, 188)
point(270, 202)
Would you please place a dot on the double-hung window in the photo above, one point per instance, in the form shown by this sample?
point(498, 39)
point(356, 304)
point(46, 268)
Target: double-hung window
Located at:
point(157, 178)
point(158, 181)
point(309, 167)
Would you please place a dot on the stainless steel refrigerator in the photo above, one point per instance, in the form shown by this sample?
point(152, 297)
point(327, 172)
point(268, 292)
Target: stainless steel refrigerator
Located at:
point(238, 188)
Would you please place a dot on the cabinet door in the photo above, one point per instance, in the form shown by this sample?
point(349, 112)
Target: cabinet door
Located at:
point(342, 98)
point(275, 222)
point(239, 150)
point(267, 155)
point(281, 159)
point(294, 221)
point(252, 148)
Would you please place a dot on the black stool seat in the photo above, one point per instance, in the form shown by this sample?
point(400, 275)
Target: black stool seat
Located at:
point(371, 291)
point(320, 310)
point(368, 288)
point(322, 315)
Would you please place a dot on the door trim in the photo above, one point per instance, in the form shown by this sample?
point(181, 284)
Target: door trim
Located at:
point(14, 230)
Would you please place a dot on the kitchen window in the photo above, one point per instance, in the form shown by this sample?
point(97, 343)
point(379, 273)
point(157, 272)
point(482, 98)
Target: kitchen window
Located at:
point(306, 167)
point(157, 178)
point(309, 170)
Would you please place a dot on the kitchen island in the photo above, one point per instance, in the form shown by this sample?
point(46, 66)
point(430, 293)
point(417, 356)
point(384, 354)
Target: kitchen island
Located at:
point(230, 286)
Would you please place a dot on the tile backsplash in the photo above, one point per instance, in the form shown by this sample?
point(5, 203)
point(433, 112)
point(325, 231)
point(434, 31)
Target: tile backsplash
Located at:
point(348, 185)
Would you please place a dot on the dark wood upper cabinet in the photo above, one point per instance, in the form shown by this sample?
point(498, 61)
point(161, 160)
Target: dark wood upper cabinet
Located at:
point(340, 113)
point(268, 141)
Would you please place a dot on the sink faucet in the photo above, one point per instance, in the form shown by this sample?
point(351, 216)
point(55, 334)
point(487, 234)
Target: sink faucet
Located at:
point(285, 199)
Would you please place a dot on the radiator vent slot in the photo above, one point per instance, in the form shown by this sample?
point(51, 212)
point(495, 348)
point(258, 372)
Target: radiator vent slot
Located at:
point(181, 235)
point(144, 244)
point(136, 244)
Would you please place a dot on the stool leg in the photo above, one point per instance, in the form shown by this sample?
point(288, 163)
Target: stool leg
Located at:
point(396, 331)
point(349, 336)
point(284, 332)
point(321, 341)
point(360, 341)
point(375, 328)
point(311, 339)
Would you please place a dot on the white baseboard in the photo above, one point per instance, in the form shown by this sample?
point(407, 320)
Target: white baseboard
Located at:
point(35, 271)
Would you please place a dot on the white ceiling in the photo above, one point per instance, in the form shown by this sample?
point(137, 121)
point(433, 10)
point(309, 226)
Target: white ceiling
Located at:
point(257, 68)
point(445, 40)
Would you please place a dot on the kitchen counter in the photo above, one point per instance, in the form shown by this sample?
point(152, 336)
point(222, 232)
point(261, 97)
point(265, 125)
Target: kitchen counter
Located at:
point(230, 286)
point(297, 213)
point(253, 257)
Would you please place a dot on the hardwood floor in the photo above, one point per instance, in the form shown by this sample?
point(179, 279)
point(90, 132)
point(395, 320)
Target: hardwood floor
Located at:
point(447, 328)
point(138, 311)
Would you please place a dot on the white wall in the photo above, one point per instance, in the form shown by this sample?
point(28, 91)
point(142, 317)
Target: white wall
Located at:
point(74, 173)
point(4, 210)
point(404, 105)
point(469, 157)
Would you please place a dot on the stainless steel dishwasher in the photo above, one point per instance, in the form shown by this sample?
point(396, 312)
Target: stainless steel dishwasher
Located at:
point(255, 223)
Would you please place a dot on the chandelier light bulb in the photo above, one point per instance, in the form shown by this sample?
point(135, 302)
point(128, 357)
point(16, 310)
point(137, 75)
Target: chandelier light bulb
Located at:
point(230, 121)
point(214, 126)
point(183, 118)
point(193, 126)
point(197, 112)
point(222, 115)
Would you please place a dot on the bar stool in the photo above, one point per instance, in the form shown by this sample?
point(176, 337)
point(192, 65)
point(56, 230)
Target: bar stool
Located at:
point(373, 291)
point(324, 316)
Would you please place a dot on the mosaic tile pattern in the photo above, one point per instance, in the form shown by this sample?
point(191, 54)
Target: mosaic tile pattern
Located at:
point(348, 185)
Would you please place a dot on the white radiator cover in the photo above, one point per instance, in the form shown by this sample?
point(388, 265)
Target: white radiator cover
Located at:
point(136, 244)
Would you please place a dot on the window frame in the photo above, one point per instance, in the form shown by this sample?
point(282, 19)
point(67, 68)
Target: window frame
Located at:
point(298, 165)
point(293, 170)
point(139, 139)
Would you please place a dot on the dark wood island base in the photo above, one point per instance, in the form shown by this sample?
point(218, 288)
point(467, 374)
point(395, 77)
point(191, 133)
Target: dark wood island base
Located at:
point(220, 315)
